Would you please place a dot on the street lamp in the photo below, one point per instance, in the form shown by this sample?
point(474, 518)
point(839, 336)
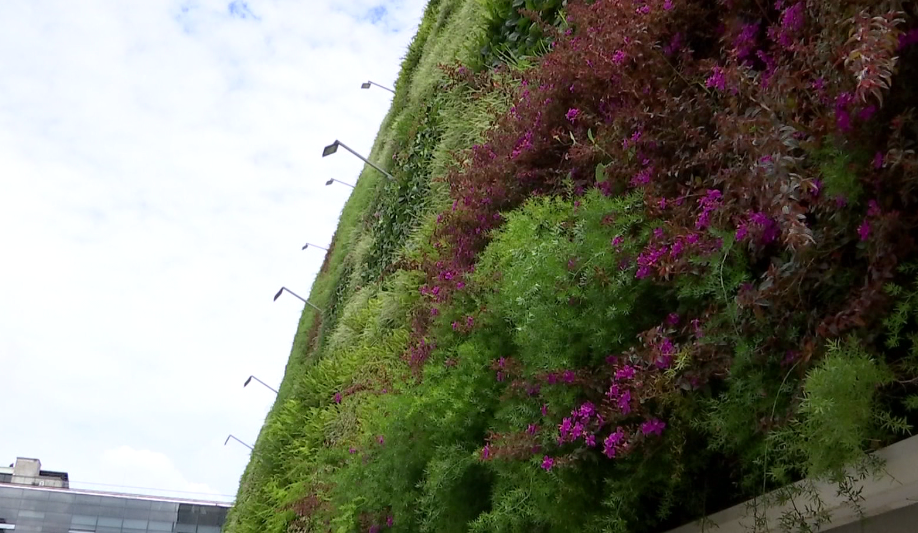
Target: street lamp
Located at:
point(333, 147)
point(246, 384)
point(307, 245)
point(367, 86)
point(239, 441)
point(329, 182)
point(282, 289)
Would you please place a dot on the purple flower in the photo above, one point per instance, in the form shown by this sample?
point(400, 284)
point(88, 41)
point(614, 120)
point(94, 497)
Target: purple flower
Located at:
point(645, 9)
point(653, 426)
point(568, 376)
point(864, 230)
point(532, 429)
point(565, 427)
point(544, 409)
point(642, 178)
point(624, 402)
point(878, 160)
point(337, 397)
point(618, 58)
point(672, 319)
point(486, 452)
point(792, 20)
point(572, 114)
point(667, 5)
point(666, 347)
point(374, 529)
point(664, 361)
point(617, 242)
point(626, 372)
point(587, 410)
point(469, 321)
point(500, 376)
point(590, 440)
point(742, 231)
point(547, 463)
point(352, 450)
point(380, 439)
point(717, 80)
point(434, 311)
point(390, 521)
point(873, 209)
point(613, 440)
point(746, 41)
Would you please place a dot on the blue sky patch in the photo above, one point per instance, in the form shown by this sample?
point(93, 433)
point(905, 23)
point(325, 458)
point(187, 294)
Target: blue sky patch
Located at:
point(376, 14)
point(240, 9)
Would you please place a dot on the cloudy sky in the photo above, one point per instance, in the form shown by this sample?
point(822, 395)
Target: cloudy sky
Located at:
point(160, 170)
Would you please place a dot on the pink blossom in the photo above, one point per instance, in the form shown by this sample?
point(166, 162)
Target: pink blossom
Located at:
point(618, 58)
point(544, 409)
point(547, 463)
point(863, 230)
point(572, 114)
point(667, 5)
point(337, 397)
point(612, 441)
point(717, 80)
point(624, 402)
point(532, 429)
point(626, 372)
point(653, 426)
point(590, 440)
point(486, 452)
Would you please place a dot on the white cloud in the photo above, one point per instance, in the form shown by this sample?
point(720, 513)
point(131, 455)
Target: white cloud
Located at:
point(160, 167)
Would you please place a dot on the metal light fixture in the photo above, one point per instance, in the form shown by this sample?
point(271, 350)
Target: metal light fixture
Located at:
point(239, 441)
point(282, 289)
point(367, 86)
point(333, 147)
point(308, 244)
point(246, 384)
point(329, 182)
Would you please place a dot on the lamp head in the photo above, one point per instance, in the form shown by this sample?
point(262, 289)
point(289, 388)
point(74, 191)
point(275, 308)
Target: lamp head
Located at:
point(276, 296)
point(329, 182)
point(246, 384)
point(330, 149)
point(365, 85)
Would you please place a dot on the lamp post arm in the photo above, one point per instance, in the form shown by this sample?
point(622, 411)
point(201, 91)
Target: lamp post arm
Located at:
point(383, 87)
point(365, 160)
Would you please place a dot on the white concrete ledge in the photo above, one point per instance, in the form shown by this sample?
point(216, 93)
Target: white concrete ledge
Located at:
point(897, 489)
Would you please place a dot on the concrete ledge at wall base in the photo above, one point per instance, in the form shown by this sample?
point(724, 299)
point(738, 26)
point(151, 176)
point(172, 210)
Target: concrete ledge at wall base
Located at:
point(897, 488)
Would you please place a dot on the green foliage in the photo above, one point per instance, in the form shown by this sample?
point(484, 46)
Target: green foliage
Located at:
point(838, 411)
point(839, 168)
point(513, 34)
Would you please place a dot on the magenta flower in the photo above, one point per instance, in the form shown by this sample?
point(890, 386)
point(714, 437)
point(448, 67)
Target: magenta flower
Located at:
point(337, 397)
point(565, 427)
point(587, 410)
point(352, 450)
point(878, 160)
point(624, 402)
point(626, 372)
point(486, 452)
point(668, 5)
point(617, 242)
point(653, 426)
point(460, 285)
point(618, 58)
point(717, 80)
point(864, 230)
point(434, 311)
point(672, 319)
point(374, 529)
point(873, 209)
point(612, 441)
point(544, 409)
point(532, 429)
point(380, 439)
point(590, 440)
point(568, 376)
point(390, 521)
point(547, 463)
point(572, 114)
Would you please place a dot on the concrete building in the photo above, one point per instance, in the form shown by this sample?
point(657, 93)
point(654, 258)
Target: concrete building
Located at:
point(27, 471)
point(39, 501)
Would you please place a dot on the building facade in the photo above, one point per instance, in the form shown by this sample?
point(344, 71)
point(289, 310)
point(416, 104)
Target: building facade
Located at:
point(28, 506)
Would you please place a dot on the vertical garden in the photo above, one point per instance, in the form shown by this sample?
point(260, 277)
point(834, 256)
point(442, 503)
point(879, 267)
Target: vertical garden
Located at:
point(642, 260)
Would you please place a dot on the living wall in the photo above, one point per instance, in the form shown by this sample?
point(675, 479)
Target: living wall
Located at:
point(662, 263)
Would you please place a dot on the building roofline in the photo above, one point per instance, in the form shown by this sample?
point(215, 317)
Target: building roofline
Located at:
point(124, 495)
